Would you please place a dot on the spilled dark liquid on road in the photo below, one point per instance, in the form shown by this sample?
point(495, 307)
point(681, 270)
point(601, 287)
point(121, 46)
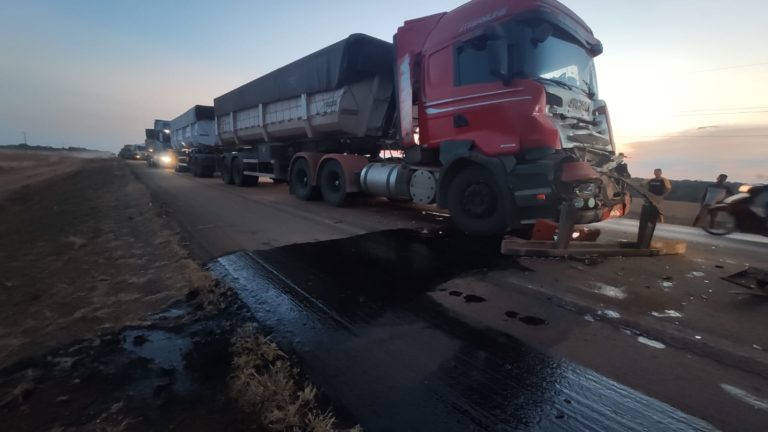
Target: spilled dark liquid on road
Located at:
point(355, 313)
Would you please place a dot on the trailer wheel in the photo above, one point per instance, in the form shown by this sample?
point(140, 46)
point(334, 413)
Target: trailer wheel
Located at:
point(226, 172)
point(238, 176)
point(333, 184)
point(206, 171)
point(300, 183)
point(474, 200)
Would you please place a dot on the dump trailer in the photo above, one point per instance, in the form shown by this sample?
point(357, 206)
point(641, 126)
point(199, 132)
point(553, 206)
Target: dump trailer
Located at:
point(194, 133)
point(490, 110)
point(158, 143)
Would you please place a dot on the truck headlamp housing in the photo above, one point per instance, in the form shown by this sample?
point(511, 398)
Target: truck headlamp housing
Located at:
point(587, 190)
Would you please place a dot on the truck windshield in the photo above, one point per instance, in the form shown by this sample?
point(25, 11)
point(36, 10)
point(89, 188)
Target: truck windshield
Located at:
point(560, 60)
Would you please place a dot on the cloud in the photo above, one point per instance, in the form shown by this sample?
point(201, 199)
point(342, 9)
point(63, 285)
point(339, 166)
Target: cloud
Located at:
point(741, 151)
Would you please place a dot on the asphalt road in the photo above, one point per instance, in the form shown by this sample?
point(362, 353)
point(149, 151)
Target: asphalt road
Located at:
point(221, 221)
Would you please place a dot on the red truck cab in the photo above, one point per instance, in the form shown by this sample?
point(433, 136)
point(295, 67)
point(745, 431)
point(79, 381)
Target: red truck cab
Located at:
point(507, 90)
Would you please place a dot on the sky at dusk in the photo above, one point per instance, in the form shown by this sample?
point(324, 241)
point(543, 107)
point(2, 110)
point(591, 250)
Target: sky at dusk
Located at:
point(685, 80)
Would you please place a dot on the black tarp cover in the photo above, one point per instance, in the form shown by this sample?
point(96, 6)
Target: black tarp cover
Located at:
point(351, 60)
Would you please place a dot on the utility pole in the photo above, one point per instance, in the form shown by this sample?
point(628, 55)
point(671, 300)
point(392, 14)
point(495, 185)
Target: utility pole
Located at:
point(25, 138)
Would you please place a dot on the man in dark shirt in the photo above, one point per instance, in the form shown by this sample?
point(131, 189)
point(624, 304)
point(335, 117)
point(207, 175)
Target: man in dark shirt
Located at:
point(659, 187)
point(713, 194)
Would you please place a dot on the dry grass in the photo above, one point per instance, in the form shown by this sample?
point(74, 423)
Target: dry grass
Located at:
point(264, 382)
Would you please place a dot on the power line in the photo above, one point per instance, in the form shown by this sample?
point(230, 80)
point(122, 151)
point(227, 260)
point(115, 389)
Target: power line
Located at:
point(695, 136)
point(720, 113)
point(730, 67)
point(726, 109)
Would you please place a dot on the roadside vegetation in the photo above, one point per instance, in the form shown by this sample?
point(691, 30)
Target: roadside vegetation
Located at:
point(264, 382)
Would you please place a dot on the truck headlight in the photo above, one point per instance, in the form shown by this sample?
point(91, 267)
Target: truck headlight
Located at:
point(165, 159)
point(587, 190)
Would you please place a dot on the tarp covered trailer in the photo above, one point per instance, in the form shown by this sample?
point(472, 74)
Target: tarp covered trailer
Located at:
point(194, 128)
point(343, 91)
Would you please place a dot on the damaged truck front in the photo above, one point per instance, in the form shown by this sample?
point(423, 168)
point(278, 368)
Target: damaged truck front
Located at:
point(510, 87)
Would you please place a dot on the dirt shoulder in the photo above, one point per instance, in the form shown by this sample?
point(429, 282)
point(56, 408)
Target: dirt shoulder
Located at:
point(21, 168)
point(675, 212)
point(107, 324)
point(81, 255)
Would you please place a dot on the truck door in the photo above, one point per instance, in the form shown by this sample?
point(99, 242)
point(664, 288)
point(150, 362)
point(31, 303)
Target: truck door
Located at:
point(464, 101)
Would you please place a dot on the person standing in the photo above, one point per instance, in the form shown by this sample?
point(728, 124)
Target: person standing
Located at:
point(659, 187)
point(714, 193)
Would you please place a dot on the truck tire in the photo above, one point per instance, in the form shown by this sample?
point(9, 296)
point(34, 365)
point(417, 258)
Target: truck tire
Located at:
point(474, 200)
point(300, 184)
point(226, 172)
point(238, 176)
point(206, 172)
point(333, 184)
point(193, 166)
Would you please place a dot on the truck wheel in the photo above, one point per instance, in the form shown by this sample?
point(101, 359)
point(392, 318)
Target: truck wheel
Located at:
point(206, 172)
point(238, 177)
point(474, 200)
point(300, 184)
point(333, 184)
point(226, 172)
point(194, 168)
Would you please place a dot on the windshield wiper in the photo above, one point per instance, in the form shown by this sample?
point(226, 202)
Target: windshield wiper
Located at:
point(589, 91)
point(556, 82)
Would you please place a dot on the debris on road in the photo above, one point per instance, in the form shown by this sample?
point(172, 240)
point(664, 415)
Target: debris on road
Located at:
point(572, 240)
point(751, 278)
point(609, 291)
point(667, 314)
point(609, 314)
point(666, 284)
point(651, 342)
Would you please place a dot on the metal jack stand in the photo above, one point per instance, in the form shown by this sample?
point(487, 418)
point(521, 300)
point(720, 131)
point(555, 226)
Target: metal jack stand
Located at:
point(565, 245)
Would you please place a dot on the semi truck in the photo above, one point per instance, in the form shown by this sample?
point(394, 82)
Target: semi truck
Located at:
point(193, 133)
point(491, 111)
point(158, 142)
